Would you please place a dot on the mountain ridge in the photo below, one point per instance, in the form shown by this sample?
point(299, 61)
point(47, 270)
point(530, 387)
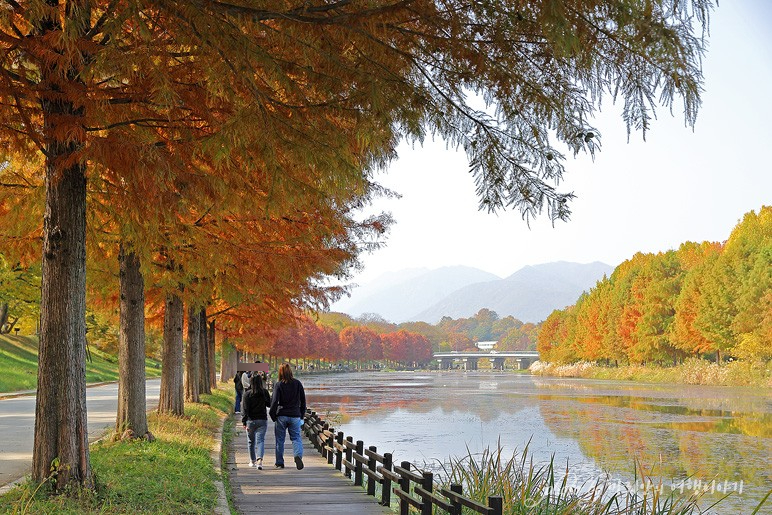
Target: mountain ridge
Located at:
point(530, 294)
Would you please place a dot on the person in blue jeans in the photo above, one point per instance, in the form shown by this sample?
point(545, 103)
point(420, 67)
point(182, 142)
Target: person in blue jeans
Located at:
point(253, 416)
point(288, 406)
point(239, 392)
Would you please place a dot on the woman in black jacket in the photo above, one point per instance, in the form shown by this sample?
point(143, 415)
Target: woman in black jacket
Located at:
point(253, 415)
point(288, 406)
point(239, 392)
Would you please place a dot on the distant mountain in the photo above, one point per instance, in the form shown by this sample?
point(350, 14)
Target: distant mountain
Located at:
point(397, 296)
point(530, 294)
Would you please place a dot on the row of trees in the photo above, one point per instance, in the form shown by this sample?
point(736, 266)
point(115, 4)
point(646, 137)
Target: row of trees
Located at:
point(705, 299)
point(450, 334)
point(359, 344)
point(207, 156)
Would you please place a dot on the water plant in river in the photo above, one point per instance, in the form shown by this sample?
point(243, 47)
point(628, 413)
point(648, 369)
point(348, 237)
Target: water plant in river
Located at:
point(528, 487)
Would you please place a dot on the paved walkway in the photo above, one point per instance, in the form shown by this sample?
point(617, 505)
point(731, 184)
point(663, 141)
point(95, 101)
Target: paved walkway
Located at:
point(17, 424)
point(316, 489)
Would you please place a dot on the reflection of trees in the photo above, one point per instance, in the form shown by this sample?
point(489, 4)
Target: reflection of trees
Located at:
point(452, 393)
point(671, 442)
point(673, 432)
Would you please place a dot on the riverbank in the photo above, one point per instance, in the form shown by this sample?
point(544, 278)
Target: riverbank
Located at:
point(173, 474)
point(692, 371)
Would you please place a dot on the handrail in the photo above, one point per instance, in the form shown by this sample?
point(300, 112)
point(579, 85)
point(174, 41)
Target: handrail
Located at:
point(410, 487)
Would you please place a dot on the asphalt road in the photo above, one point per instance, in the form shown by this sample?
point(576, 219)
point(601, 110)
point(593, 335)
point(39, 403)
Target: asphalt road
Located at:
point(17, 422)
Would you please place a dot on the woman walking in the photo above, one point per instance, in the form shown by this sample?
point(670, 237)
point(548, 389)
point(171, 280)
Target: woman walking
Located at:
point(288, 405)
point(239, 392)
point(253, 416)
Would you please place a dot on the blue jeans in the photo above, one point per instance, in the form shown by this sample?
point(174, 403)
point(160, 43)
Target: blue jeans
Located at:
point(237, 404)
point(293, 425)
point(256, 435)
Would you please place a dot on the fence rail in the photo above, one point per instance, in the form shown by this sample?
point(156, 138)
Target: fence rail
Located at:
point(410, 486)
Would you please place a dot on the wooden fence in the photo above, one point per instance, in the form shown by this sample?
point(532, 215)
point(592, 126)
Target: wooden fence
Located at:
point(411, 487)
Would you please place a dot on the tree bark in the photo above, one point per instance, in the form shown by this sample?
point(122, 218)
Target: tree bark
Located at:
point(61, 434)
point(3, 316)
point(132, 404)
point(172, 399)
point(203, 378)
point(212, 366)
point(192, 369)
point(228, 360)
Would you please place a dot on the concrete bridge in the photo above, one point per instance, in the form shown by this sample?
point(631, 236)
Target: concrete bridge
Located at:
point(524, 358)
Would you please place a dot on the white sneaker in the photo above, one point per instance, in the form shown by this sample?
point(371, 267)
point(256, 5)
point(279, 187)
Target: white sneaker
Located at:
point(259, 463)
point(251, 463)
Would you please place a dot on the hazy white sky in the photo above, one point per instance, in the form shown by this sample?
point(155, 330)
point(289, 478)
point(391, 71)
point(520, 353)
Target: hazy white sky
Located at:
point(647, 196)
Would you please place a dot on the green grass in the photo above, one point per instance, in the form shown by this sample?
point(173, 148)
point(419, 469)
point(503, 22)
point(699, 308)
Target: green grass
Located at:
point(173, 474)
point(19, 363)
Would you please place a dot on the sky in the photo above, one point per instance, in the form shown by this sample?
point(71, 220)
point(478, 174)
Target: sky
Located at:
point(679, 185)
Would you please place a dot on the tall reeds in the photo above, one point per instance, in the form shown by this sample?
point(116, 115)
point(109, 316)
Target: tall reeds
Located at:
point(536, 489)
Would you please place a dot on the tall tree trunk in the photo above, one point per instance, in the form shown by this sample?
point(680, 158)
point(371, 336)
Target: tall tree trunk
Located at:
point(172, 400)
point(192, 369)
point(212, 366)
point(229, 360)
point(203, 378)
point(61, 432)
point(3, 316)
point(132, 404)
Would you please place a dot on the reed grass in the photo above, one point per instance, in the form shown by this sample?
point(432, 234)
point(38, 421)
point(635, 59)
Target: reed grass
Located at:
point(541, 489)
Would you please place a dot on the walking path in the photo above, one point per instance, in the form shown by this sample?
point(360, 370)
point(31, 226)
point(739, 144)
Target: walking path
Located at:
point(318, 488)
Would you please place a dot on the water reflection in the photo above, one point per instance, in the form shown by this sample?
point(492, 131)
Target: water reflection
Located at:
point(674, 432)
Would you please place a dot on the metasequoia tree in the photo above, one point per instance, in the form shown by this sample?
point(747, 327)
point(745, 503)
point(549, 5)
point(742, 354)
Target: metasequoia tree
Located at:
point(89, 83)
point(193, 352)
point(132, 411)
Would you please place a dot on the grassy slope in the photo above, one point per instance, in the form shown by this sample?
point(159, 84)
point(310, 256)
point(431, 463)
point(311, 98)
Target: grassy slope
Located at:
point(19, 364)
point(174, 474)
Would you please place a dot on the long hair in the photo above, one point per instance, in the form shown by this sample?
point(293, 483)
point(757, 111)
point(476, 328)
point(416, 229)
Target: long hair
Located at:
point(256, 382)
point(285, 373)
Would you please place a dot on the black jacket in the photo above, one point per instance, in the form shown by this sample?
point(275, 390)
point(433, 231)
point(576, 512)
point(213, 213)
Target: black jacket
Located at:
point(253, 405)
point(237, 382)
point(289, 400)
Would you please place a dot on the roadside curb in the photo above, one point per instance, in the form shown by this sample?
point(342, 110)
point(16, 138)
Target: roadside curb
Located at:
point(222, 507)
point(22, 393)
point(13, 484)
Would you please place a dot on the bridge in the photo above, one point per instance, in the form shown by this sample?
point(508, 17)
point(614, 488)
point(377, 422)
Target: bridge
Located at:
point(524, 358)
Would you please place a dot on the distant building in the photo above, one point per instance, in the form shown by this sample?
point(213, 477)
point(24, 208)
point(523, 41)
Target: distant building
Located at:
point(486, 346)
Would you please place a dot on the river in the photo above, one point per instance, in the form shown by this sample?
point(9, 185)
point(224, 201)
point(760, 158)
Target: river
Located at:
point(689, 437)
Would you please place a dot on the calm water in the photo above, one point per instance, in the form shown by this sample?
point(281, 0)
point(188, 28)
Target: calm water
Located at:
point(718, 436)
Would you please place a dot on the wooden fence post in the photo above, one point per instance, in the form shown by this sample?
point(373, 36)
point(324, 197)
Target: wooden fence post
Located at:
point(349, 452)
point(331, 444)
point(496, 504)
point(371, 464)
point(427, 484)
point(386, 489)
point(338, 451)
point(323, 440)
point(360, 450)
point(404, 485)
point(457, 507)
